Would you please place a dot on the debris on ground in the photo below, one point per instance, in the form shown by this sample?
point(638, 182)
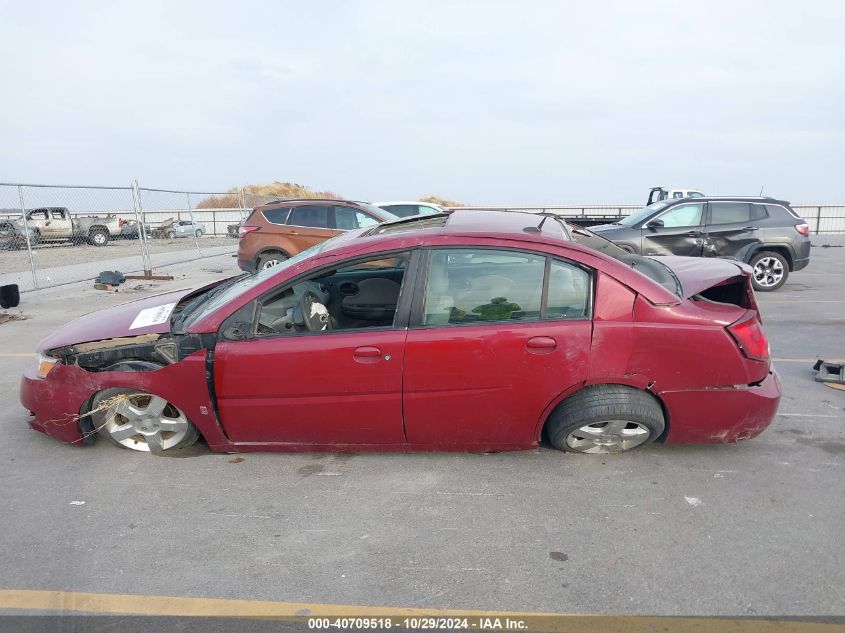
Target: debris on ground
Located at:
point(77, 503)
point(10, 296)
point(109, 280)
point(5, 317)
point(694, 501)
point(212, 270)
point(830, 372)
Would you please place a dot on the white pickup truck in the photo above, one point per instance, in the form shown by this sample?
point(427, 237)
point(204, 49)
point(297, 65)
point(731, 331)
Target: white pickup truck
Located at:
point(57, 224)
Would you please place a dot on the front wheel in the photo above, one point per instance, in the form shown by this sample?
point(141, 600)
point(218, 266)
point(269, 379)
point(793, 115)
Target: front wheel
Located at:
point(142, 421)
point(605, 419)
point(770, 271)
point(198, 233)
point(171, 235)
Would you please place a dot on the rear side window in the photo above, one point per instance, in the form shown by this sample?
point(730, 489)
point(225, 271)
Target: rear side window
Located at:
point(316, 216)
point(758, 212)
point(277, 216)
point(473, 286)
point(476, 286)
point(775, 209)
point(568, 291)
point(734, 212)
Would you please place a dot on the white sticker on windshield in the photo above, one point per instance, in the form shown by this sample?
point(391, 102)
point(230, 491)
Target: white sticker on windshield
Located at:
point(152, 316)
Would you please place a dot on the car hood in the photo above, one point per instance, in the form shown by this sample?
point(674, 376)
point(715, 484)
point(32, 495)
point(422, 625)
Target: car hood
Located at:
point(697, 274)
point(150, 315)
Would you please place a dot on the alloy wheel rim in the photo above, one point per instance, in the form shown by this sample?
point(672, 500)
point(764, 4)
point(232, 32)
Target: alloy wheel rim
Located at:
point(768, 271)
point(611, 436)
point(271, 263)
point(145, 422)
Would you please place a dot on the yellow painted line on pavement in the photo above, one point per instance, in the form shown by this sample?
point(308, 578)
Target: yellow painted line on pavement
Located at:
point(123, 604)
point(75, 601)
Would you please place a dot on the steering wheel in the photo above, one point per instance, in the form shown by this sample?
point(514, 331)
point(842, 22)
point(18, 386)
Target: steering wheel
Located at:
point(314, 313)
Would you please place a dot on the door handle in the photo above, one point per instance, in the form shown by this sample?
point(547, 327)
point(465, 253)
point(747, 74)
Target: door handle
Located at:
point(368, 354)
point(749, 228)
point(541, 343)
point(294, 233)
point(692, 233)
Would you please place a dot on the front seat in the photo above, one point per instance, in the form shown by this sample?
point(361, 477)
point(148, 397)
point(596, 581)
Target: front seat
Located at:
point(375, 300)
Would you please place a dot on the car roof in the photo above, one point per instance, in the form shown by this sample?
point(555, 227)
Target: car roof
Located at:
point(288, 201)
point(431, 204)
point(760, 199)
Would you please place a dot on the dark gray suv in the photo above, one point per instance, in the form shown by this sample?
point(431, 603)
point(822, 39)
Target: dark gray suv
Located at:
point(763, 232)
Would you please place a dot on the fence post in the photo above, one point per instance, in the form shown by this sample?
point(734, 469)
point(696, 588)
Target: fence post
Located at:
point(191, 213)
point(243, 205)
point(142, 230)
point(26, 234)
point(818, 218)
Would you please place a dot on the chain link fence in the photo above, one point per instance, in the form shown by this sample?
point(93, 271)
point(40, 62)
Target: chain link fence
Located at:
point(52, 235)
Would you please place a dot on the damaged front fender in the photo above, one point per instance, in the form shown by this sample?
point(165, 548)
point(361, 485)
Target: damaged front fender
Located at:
point(59, 402)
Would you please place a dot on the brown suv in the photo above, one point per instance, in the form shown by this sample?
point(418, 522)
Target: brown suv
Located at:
point(279, 230)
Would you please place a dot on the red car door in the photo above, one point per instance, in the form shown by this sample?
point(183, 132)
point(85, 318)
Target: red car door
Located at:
point(338, 381)
point(492, 346)
point(337, 388)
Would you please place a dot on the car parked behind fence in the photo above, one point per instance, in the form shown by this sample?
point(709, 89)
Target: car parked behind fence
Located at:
point(278, 231)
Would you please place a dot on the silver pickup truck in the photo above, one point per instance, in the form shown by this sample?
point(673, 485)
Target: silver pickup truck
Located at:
point(57, 224)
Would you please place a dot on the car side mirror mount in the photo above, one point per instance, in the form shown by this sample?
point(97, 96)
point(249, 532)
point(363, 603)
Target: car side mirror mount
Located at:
point(655, 224)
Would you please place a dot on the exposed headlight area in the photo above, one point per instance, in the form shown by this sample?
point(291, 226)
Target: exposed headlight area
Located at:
point(45, 364)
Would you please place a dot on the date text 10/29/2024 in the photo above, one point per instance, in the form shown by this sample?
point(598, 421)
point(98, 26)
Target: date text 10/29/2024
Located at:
point(419, 623)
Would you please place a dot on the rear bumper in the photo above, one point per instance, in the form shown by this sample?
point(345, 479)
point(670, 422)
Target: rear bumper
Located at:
point(246, 265)
point(799, 264)
point(722, 415)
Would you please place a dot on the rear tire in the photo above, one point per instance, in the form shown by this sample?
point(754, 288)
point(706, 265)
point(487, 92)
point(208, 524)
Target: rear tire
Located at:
point(98, 237)
point(605, 419)
point(198, 233)
point(770, 271)
point(269, 260)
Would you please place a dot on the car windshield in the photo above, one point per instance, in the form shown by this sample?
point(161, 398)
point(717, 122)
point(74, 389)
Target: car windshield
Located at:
point(642, 214)
point(208, 302)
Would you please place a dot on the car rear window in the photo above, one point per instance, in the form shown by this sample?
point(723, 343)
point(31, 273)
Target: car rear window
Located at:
point(415, 223)
point(402, 210)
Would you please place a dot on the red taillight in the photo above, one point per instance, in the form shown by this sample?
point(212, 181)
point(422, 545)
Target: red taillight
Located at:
point(120, 223)
point(803, 229)
point(246, 229)
point(749, 336)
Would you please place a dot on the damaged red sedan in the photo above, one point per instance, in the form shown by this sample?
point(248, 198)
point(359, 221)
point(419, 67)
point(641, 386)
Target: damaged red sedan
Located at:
point(470, 330)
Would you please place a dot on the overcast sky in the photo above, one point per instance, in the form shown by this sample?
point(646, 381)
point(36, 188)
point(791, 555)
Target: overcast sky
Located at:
point(482, 102)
